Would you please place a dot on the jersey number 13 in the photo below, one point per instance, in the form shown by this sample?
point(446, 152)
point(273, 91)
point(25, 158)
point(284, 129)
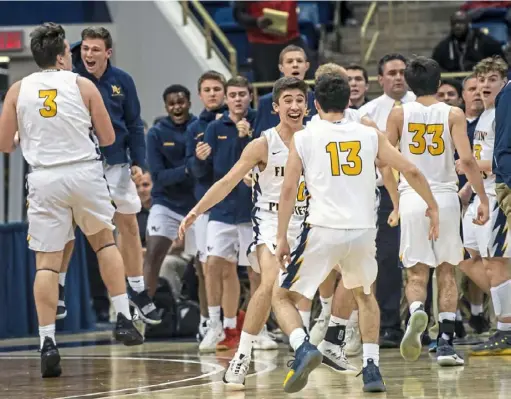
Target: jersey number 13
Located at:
point(353, 164)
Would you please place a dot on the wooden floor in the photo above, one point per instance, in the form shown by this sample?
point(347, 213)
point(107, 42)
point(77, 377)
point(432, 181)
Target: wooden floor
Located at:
point(95, 368)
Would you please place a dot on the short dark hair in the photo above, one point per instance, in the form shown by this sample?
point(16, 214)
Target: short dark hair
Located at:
point(176, 89)
point(422, 75)
point(387, 58)
point(288, 83)
point(289, 49)
point(239, 81)
point(98, 32)
point(453, 83)
point(357, 67)
point(332, 92)
point(211, 75)
point(47, 41)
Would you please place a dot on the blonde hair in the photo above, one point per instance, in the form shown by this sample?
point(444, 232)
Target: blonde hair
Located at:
point(331, 69)
point(492, 64)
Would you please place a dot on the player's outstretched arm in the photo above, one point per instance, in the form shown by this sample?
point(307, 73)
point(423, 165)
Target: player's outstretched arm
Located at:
point(9, 119)
point(254, 153)
point(466, 158)
point(388, 154)
point(390, 183)
point(289, 190)
point(99, 115)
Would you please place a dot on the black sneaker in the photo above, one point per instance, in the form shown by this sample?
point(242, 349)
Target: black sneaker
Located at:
point(446, 355)
point(459, 329)
point(479, 323)
point(61, 307)
point(145, 306)
point(498, 344)
point(126, 332)
point(373, 381)
point(50, 359)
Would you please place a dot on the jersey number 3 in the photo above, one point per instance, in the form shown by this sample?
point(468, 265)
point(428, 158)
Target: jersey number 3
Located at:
point(418, 145)
point(50, 106)
point(353, 165)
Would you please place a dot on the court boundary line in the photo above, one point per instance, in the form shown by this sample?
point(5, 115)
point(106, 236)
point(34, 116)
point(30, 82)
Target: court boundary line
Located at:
point(217, 370)
point(270, 368)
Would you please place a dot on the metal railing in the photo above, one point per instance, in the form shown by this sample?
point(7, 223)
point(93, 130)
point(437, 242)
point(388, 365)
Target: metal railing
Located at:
point(367, 49)
point(210, 30)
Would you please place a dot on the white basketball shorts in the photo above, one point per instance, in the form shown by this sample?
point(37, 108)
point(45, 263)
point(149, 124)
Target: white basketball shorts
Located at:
point(60, 194)
point(415, 245)
point(319, 249)
point(122, 189)
point(229, 241)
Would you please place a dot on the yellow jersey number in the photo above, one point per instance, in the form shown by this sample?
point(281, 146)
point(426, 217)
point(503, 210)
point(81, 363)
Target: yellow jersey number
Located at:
point(419, 146)
point(301, 192)
point(353, 165)
point(477, 155)
point(50, 106)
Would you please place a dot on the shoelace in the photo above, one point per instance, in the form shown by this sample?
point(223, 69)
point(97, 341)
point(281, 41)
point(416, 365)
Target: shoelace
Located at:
point(239, 366)
point(338, 352)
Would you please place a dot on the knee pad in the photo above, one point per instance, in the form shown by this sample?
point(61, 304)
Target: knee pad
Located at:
point(501, 298)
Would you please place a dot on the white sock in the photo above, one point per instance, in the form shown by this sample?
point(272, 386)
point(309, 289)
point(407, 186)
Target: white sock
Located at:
point(203, 319)
point(371, 351)
point(297, 338)
point(354, 317)
point(229, 322)
point(326, 304)
point(500, 326)
point(306, 319)
point(246, 342)
point(122, 305)
point(458, 316)
point(137, 283)
point(446, 316)
point(337, 321)
point(46, 331)
point(214, 314)
point(414, 306)
point(62, 279)
point(476, 310)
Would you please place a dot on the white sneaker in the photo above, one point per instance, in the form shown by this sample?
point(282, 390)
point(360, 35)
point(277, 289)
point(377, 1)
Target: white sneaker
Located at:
point(214, 335)
point(264, 341)
point(234, 376)
point(138, 322)
point(203, 329)
point(335, 358)
point(318, 332)
point(353, 340)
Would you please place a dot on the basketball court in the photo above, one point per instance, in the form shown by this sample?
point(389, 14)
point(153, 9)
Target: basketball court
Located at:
point(94, 367)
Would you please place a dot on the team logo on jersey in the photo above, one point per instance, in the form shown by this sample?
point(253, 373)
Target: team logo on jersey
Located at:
point(169, 144)
point(116, 90)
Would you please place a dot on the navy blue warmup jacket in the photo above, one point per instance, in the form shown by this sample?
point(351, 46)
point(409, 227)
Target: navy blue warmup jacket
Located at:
point(502, 150)
point(226, 149)
point(121, 100)
point(195, 134)
point(166, 156)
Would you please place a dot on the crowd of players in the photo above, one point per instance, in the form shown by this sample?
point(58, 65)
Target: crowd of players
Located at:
point(219, 183)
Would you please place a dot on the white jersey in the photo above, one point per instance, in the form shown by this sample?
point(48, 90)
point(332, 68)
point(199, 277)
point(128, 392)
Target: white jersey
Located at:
point(268, 183)
point(350, 114)
point(484, 141)
point(426, 142)
point(54, 125)
point(338, 161)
